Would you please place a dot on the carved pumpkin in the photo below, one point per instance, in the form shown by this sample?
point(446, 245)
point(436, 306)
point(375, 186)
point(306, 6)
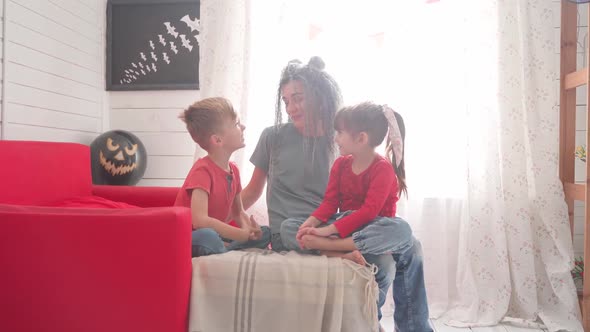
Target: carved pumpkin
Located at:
point(118, 158)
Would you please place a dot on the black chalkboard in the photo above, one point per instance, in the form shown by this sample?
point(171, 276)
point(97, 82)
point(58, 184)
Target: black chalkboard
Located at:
point(152, 44)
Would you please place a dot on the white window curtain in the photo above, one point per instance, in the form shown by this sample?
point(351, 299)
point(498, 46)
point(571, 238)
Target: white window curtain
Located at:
point(475, 83)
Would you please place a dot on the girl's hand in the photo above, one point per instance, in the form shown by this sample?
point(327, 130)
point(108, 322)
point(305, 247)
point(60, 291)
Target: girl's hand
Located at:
point(311, 222)
point(323, 231)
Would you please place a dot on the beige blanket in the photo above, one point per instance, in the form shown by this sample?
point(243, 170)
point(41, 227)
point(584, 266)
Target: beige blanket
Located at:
point(259, 290)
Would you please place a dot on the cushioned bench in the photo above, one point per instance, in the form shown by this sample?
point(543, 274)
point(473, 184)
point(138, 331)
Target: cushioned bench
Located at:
point(260, 290)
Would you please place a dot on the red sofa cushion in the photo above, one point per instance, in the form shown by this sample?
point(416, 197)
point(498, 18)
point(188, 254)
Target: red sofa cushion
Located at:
point(94, 202)
point(139, 196)
point(42, 173)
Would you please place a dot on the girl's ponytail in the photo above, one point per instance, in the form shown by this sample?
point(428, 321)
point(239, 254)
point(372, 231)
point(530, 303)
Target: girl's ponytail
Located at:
point(395, 146)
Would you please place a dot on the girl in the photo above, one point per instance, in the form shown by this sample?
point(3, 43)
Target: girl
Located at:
point(363, 186)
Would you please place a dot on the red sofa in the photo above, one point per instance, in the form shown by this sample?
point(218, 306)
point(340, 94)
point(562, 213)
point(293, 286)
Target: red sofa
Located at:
point(68, 266)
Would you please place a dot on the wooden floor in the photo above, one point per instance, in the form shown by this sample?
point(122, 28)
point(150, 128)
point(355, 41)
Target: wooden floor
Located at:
point(387, 323)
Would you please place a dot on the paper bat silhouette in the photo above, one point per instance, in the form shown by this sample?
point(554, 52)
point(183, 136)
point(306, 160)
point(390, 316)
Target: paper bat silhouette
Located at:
point(148, 68)
point(143, 72)
point(193, 24)
point(133, 64)
point(142, 56)
point(166, 58)
point(186, 43)
point(140, 64)
point(136, 73)
point(171, 29)
point(152, 45)
point(162, 40)
point(173, 48)
point(154, 67)
point(154, 56)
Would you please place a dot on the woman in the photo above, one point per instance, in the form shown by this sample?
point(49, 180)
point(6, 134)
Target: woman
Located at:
point(295, 159)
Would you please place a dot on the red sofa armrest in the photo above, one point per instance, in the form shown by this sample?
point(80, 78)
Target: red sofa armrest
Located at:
point(139, 196)
point(75, 269)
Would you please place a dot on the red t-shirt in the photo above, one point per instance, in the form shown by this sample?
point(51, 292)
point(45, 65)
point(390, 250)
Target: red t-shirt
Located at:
point(221, 185)
point(372, 193)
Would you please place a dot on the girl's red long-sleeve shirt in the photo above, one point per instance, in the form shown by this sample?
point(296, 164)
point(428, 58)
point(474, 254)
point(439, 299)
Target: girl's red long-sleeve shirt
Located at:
point(372, 193)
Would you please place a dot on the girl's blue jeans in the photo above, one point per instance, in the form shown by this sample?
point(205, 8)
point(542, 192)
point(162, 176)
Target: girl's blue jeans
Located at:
point(389, 244)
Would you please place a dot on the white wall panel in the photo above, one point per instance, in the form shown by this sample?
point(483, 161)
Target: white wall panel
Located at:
point(54, 70)
point(153, 117)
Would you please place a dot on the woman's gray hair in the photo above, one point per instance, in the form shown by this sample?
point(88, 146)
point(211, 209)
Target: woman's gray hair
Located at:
point(322, 99)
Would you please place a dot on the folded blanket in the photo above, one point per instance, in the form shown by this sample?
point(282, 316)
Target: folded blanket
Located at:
point(260, 290)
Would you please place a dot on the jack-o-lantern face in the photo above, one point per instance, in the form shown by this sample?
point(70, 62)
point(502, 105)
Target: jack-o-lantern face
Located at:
point(118, 157)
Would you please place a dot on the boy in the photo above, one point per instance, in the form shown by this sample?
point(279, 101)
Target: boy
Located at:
point(212, 187)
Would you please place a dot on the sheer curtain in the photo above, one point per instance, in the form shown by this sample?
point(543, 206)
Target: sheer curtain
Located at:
point(474, 81)
point(242, 53)
point(244, 46)
point(224, 54)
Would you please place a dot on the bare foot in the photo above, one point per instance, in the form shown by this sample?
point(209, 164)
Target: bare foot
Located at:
point(356, 257)
point(315, 242)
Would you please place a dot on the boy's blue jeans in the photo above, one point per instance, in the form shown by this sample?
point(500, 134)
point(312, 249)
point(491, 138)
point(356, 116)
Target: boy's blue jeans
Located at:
point(389, 244)
point(207, 241)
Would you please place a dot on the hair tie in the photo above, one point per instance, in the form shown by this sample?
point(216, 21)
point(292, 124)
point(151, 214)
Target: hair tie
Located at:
point(395, 136)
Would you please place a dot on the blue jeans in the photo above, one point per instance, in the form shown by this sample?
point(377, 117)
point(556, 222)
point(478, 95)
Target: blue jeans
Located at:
point(207, 241)
point(389, 244)
point(277, 243)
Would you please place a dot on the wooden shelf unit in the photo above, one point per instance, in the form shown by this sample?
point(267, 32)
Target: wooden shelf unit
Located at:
point(570, 78)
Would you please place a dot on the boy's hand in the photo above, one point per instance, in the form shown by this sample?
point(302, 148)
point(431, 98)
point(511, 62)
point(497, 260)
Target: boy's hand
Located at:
point(246, 226)
point(253, 236)
point(255, 230)
point(246, 235)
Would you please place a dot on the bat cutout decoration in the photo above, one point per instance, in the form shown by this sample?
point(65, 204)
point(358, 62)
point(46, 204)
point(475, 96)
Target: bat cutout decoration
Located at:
point(186, 43)
point(171, 29)
point(193, 24)
point(146, 63)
